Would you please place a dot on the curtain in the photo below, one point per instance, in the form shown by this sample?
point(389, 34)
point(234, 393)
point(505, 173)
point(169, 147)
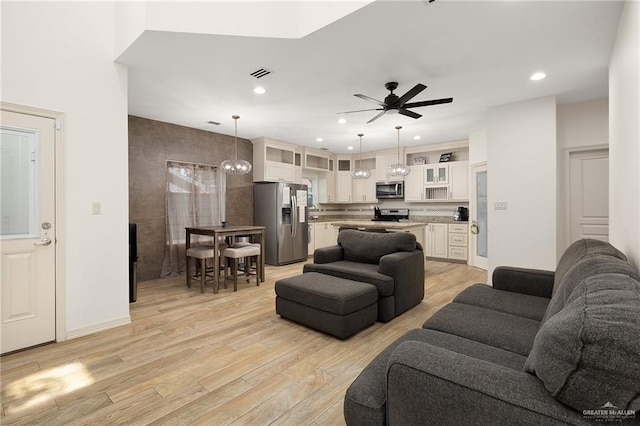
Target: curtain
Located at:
point(194, 197)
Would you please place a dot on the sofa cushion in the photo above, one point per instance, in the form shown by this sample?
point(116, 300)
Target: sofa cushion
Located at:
point(369, 247)
point(365, 400)
point(588, 354)
point(588, 266)
point(505, 331)
point(580, 249)
point(355, 271)
point(519, 304)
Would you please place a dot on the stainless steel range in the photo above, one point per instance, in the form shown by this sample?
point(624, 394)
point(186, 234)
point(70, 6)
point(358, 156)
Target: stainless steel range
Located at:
point(390, 215)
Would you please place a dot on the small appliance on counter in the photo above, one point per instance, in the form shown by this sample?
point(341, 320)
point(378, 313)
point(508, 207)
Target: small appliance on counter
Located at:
point(461, 214)
point(390, 215)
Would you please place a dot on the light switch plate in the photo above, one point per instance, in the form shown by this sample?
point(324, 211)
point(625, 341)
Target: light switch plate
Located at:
point(501, 205)
point(96, 208)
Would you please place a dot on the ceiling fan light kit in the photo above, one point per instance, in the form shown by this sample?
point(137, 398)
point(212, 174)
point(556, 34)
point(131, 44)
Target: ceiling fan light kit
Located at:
point(234, 166)
point(399, 169)
point(360, 172)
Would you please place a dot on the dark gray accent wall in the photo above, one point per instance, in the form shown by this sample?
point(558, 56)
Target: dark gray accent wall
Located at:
point(151, 144)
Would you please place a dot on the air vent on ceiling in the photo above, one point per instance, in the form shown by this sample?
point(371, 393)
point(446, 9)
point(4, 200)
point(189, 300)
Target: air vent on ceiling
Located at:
point(215, 123)
point(260, 73)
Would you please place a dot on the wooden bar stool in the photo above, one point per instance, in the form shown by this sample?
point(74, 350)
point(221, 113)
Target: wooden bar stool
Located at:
point(201, 253)
point(237, 253)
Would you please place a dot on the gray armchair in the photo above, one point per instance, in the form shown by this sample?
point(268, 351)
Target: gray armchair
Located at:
point(393, 262)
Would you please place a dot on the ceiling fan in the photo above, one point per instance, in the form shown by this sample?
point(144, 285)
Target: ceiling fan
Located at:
point(393, 102)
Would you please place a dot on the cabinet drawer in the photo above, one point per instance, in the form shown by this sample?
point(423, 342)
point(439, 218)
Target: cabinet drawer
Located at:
point(458, 229)
point(458, 253)
point(459, 240)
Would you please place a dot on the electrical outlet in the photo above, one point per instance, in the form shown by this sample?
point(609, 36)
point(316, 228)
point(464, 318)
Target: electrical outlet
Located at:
point(502, 205)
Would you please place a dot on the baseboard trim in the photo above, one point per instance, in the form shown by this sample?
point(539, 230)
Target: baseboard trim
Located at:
point(95, 328)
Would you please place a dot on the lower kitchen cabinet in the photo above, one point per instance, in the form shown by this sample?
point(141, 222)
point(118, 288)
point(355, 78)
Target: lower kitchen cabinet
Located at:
point(325, 235)
point(458, 241)
point(437, 240)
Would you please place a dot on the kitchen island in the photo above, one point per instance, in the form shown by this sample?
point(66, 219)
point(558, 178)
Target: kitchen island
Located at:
point(416, 228)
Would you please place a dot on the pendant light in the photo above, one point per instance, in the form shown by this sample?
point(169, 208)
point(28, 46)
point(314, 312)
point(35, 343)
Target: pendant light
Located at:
point(360, 172)
point(234, 166)
point(400, 169)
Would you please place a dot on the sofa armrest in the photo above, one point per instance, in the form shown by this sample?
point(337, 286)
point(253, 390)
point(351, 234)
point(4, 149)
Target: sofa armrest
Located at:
point(431, 385)
point(534, 282)
point(407, 270)
point(328, 254)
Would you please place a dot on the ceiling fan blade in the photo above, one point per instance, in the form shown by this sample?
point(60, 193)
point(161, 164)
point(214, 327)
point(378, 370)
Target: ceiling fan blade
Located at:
point(408, 113)
point(359, 110)
point(427, 103)
point(367, 98)
point(410, 94)
point(377, 116)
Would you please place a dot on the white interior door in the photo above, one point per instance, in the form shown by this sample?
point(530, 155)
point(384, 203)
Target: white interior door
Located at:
point(478, 213)
point(589, 194)
point(27, 231)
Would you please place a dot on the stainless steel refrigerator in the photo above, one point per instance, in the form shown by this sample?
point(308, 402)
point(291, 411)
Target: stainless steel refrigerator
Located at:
point(282, 209)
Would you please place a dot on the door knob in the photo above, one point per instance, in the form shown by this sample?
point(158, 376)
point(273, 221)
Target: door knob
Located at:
point(474, 229)
point(43, 242)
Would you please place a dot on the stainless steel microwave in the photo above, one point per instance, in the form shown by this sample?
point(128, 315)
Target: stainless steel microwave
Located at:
point(389, 189)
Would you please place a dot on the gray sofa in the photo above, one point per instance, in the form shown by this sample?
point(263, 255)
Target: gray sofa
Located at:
point(393, 262)
point(538, 347)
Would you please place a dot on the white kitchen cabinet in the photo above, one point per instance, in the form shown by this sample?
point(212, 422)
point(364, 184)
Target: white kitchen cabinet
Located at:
point(437, 240)
point(273, 161)
point(436, 174)
point(343, 187)
point(297, 167)
point(327, 187)
point(364, 190)
point(317, 160)
point(383, 161)
point(458, 241)
point(414, 184)
point(325, 235)
point(312, 239)
point(459, 181)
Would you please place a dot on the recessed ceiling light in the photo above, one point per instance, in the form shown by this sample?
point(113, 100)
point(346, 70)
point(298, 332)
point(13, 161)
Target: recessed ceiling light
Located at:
point(342, 121)
point(417, 137)
point(538, 76)
point(319, 139)
point(349, 147)
point(259, 90)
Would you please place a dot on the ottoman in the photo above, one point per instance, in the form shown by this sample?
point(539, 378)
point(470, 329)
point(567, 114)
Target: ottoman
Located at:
point(330, 304)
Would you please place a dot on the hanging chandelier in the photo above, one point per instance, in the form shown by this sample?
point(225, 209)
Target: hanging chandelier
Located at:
point(234, 166)
point(360, 172)
point(399, 169)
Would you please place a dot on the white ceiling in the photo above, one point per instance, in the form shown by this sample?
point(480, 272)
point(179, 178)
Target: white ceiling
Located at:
point(479, 53)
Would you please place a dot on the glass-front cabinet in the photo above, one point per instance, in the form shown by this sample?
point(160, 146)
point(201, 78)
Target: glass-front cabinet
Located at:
point(436, 174)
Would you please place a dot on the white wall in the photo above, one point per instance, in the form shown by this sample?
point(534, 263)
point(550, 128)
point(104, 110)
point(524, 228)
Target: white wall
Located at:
point(624, 136)
point(59, 56)
point(579, 125)
point(478, 147)
point(521, 158)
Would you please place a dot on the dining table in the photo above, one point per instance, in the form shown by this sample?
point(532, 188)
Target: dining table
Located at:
point(218, 233)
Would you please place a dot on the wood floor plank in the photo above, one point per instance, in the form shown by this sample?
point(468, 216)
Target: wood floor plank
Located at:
point(204, 358)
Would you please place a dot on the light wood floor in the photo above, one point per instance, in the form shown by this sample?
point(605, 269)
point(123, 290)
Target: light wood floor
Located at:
point(192, 358)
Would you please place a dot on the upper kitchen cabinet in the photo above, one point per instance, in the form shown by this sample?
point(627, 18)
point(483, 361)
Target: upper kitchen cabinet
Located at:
point(343, 179)
point(364, 190)
point(436, 174)
point(273, 161)
point(414, 184)
point(318, 160)
point(383, 161)
point(459, 181)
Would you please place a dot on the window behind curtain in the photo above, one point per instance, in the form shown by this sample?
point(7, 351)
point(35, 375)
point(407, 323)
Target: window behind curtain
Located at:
point(194, 197)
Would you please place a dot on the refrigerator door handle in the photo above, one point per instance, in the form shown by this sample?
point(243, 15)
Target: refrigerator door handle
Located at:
point(294, 216)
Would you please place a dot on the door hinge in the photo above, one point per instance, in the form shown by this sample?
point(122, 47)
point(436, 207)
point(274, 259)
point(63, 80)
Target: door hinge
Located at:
point(33, 156)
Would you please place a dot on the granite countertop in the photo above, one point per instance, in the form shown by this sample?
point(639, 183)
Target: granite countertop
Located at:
point(372, 224)
point(424, 220)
